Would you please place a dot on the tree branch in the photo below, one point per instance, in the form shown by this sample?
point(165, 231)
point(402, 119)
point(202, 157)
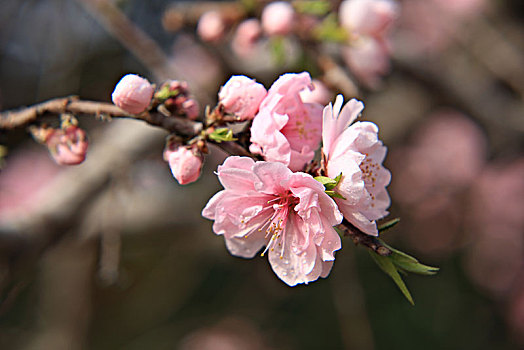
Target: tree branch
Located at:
point(22, 117)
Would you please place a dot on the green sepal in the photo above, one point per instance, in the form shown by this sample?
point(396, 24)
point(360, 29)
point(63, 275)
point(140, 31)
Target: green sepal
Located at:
point(330, 184)
point(324, 180)
point(316, 8)
point(387, 225)
point(386, 264)
point(334, 194)
point(329, 30)
point(222, 134)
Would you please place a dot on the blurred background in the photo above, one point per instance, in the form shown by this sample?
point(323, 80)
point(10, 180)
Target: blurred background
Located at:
point(115, 255)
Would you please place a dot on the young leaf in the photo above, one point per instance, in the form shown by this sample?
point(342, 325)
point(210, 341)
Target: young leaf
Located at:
point(387, 265)
point(222, 134)
point(408, 263)
point(387, 225)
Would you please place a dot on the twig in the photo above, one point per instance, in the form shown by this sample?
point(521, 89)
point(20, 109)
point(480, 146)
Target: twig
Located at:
point(366, 240)
point(71, 104)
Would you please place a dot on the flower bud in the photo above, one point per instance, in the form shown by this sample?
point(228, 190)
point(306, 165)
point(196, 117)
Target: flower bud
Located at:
point(191, 109)
point(211, 26)
point(133, 94)
point(185, 162)
point(278, 18)
point(241, 96)
point(67, 146)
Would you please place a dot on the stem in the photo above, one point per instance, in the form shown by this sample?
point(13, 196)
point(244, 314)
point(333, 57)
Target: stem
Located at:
point(366, 240)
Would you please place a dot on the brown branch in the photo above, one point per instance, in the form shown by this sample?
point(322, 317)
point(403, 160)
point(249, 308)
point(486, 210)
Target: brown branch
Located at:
point(22, 117)
point(361, 238)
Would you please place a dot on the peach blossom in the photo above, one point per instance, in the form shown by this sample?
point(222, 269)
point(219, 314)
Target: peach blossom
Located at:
point(133, 94)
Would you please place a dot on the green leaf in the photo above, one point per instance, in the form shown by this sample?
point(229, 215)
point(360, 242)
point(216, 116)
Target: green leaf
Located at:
point(222, 134)
point(317, 8)
point(329, 30)
point(387, 225)
point(408, 263)
point(387, 265)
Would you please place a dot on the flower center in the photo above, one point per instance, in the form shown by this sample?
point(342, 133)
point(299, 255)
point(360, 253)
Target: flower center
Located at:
point(275, 226)
point(369, 174)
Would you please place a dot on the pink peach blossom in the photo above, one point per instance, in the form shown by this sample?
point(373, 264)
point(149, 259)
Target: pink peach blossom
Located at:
point(246, 36)
point(266, 204)
point(241, 96)
point(133, 94)
point(356, 152)
point(286, 129)
point(185, 163)
point(211, 26)
point(278, 18)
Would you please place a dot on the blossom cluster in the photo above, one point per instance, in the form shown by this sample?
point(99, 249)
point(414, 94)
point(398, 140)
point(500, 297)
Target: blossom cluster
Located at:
point(286, 197)
point(278, 203)
point(362, 30)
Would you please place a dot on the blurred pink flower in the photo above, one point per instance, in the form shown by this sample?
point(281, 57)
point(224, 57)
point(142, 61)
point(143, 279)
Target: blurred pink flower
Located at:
point(278, 18)
point(433, 174)
point(356, 152)
point(447, 152)
point(211, 26)
point(23, 182)
point(368, 60)
point(266, 204)
point(241, 96)
point(185, 163)
point(246, 36)
point(431, 25)
point(133, 94)
point(320, 93)
point(67, 146)
point(368, 23)
point(497, 204)
point(368, 17)
point(286, 129)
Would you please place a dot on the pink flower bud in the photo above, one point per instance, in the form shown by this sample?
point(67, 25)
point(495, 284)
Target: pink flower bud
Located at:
point(185, 163)
point(246, 36)
point(191, 109)
point(319, 94)
point(278, 18)
point(68, 146)
point(133, 94)
point(241, 96)
point(211, 26)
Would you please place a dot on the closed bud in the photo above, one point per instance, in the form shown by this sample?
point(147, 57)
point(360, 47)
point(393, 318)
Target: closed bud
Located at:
point(241, 96)
point(185, 162)
point(133, 94)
